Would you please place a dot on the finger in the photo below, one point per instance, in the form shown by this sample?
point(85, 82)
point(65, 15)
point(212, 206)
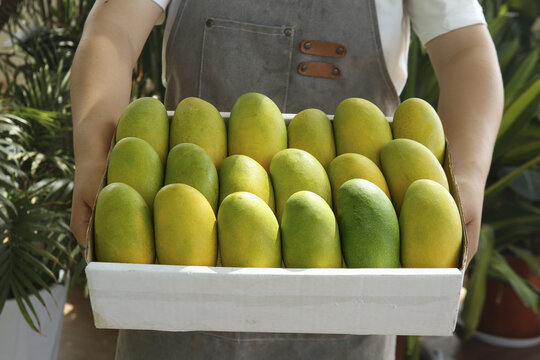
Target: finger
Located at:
point(473, 234)
point(80, 218)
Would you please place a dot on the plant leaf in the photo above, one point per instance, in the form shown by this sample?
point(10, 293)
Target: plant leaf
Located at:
point(494, 189)
point(500, 269)
point(516, 117)
point(528, 257)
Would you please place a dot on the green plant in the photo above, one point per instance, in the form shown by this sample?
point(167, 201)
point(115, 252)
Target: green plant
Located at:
point(36, 163)
point(36, 151)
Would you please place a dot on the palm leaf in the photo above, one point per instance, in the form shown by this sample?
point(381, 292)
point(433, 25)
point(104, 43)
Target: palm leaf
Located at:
point(24, 304)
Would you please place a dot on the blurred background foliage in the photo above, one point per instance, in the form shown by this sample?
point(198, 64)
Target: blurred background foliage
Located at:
point(36, 152)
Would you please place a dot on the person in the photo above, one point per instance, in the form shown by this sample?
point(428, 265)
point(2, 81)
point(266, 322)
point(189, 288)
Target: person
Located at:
point(218, 50)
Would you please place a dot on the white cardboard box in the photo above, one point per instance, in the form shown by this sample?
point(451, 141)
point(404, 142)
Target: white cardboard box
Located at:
point(339, 301)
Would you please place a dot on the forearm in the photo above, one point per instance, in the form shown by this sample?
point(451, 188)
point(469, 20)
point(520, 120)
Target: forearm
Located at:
point(470, 107)
point(102, 70)
point(100, 89)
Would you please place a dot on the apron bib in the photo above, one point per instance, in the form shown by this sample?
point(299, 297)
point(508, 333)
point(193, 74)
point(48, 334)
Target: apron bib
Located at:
point(218, 50)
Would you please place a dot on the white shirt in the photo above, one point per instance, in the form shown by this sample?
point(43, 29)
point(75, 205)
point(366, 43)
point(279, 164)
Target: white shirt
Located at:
point(429, 19)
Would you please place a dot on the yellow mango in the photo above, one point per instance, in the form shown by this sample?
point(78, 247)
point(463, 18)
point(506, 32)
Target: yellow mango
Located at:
point(198, 122)
point(431, 229)
point(189, 164)
point(248, 232)
point(361, 127)
point(352, 166)
point(146, 118)
point(123, 229)
point(311, 130)
point(403, 162)
point(309, 233)
point(134, 162)
point(185, 227)
point(295, 170)
point(417, 120)
point(256, 128)
point(242, 173)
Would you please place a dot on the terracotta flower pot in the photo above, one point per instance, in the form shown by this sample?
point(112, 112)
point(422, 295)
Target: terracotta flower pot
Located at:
point(504, 313)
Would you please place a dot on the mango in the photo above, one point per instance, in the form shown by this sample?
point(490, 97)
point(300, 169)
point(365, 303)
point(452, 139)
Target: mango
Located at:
point(430, 225)
point(123, 230)
point(185, 227)
point(403, 162)
point(353, 166)
point(134, 162)
point(248, 232)
point(256, 128)
point(146, 118)
point(295, 170)
point(198, 122)
point(309, 233)
point(311, 130)
point(417, 120)
point(361, 127)
point(242, 173)
point(368, 226)
point(189, 164)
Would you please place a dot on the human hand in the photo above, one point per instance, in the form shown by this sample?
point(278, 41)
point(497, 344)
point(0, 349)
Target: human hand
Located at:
point(471, 193)
point(88, 178)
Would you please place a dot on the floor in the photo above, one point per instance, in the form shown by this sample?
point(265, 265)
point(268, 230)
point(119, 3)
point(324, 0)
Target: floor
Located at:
point(80, 338)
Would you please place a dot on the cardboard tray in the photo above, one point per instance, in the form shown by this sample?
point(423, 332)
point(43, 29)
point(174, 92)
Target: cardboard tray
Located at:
point(333, 301)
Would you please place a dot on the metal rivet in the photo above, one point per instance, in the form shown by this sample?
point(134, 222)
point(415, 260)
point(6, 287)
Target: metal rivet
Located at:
point(335, 71)
point(304, 67)
point(287, 31)
point(209, 23)
point(340, 50)
point(307, 45)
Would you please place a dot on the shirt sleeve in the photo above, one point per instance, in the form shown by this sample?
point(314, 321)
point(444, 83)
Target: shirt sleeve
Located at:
point(163, 4)
point(432, 18)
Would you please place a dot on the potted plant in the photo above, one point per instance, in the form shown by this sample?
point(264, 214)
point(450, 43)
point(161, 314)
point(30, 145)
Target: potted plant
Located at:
point(38, 254)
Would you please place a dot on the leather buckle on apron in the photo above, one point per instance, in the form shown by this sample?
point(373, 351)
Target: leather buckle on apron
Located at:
point(319, 69)
point(323, 48)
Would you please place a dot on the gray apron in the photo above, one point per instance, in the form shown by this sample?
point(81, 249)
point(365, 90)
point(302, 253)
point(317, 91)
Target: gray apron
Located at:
point(218, 50)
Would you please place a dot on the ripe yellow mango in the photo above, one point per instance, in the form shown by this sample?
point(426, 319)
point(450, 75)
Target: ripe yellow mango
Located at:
point(368, 226)
point(198, 122)
point(248, 232)
point(185, 227)
point(295, 170)
point(146, 118)
point(123, 229)
point(134, 162)
point(431, 230)
point(311, 130)
point(352, 166)
point(189, 164)
point(256, 128)
point(309, 233)
point(361, 127)
point(417, 120)
point(403, 162)
point(242, 173)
